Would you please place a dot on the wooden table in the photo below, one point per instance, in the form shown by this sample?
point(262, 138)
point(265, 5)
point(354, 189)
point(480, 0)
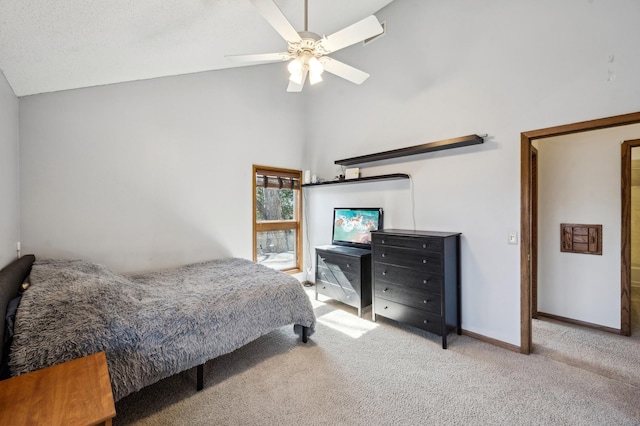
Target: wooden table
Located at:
point(77, 392)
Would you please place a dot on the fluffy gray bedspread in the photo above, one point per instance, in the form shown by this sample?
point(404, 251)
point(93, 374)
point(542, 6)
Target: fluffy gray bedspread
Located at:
point(151, 325)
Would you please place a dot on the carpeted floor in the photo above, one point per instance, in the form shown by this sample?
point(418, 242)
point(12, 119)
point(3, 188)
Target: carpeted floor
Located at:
point(356, 372)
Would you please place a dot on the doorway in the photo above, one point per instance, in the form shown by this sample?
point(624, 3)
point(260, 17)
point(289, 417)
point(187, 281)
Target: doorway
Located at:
point(527, 252)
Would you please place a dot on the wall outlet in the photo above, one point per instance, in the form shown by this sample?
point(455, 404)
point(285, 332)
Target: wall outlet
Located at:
point(513, 238)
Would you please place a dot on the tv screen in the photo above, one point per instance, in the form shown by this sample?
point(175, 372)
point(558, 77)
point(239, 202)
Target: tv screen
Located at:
point(353, 226)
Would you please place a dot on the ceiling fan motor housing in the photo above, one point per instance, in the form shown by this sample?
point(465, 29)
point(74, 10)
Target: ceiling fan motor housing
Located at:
point(308, 45)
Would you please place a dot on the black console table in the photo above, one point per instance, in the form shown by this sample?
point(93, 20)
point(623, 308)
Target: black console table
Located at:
point(344, 274)
point(416, 279)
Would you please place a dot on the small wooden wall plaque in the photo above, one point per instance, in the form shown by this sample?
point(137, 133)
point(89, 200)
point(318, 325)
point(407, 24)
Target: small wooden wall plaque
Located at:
point(585, 239)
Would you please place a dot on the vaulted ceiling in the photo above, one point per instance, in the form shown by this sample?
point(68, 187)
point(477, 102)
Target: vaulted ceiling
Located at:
point(50, 45)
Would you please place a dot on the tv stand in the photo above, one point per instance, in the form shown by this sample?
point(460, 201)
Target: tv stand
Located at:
point(344, 274)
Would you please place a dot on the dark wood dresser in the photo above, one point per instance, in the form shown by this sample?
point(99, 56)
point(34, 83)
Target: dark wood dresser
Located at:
point(416, 279)
point(344, 274)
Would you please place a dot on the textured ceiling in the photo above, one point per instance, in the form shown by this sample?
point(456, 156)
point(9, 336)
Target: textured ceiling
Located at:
point(49, 45)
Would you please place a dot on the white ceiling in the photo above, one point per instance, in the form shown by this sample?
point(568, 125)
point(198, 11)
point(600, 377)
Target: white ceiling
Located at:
point(51, 45)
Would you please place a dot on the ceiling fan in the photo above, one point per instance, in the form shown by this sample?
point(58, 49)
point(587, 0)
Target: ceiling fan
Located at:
point(307, 51)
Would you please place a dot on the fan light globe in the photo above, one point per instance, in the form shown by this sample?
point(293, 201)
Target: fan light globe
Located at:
point(296, 77)
point(295, 66)
point(314, 78)
point(315, 67)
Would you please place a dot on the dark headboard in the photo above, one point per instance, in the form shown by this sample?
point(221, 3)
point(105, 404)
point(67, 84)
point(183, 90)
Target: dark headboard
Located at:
point(11, 277)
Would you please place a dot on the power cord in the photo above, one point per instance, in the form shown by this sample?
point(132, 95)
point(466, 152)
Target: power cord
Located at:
point(307, 271)
point(413, 202)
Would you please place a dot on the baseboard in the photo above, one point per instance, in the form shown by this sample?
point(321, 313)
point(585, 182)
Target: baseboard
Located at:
point(580, 323)
point(492, 341)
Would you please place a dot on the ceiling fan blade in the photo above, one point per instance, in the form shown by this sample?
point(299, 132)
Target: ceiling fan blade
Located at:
point(278, 21)
point(361, 30)
point(343, 70)
point(259, 58)
point(295, 87)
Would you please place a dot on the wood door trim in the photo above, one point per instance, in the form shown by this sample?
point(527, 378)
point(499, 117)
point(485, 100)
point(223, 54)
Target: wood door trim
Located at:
point(625, 238)
point(534, 232)
point(578, 322)
point(585, 126)
point(525, 244)
point(525, 205)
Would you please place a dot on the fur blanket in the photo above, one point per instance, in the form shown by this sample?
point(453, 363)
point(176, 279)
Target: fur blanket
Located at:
point(151, 325)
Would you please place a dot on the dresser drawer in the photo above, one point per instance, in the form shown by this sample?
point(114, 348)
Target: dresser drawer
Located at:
point(419, 299)
point(416, 278)
point(402, 313)
point(338, 262)
point(426, 261)
point(341, 270)
point(340, 293)
point(422, 244)
point(346, 279)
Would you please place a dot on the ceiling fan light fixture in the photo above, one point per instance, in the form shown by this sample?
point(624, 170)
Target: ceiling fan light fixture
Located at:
point(314, 78)
point(296, 77)
point(315, 67)
point(295, 66)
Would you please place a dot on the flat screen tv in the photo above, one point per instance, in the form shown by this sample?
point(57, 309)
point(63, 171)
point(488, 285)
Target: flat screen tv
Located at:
point(352, 226)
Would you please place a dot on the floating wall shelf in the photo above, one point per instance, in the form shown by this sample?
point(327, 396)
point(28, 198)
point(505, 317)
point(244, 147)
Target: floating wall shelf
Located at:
point(412, 150)
point(362, 179)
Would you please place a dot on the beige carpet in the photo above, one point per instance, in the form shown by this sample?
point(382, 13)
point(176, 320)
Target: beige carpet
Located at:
point(356, 372)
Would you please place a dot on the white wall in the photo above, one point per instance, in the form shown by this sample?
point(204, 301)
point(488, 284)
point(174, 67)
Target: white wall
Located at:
point(448, 69)
point(153, 173)
point(9, 186)
point(579, 182)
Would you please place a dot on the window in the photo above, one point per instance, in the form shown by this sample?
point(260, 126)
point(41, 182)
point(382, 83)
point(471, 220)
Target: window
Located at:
point(277, 223)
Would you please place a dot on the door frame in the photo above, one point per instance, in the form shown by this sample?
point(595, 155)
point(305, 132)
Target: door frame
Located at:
point(534, 232)
point(526, 249)
point(625, 240)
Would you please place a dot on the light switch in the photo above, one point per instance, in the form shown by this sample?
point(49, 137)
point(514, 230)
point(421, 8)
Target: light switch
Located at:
point(513, 237)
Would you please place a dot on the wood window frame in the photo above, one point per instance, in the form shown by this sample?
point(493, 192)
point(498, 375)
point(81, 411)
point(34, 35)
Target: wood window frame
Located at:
point(278, 225)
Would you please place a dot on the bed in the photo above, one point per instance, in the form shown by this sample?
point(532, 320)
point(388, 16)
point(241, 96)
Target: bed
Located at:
point(151, 325)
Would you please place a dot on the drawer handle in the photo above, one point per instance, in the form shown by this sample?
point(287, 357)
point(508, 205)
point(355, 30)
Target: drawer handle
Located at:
point(382, 241)
point(348, 266)
point(385, 290)
point(384, 255)
point(426, 301)
point(322, 258)
point(384, 272)
point(424, 260)
point(386, 307)
point(425, 281)
point(424, 246)
point(426, 321)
